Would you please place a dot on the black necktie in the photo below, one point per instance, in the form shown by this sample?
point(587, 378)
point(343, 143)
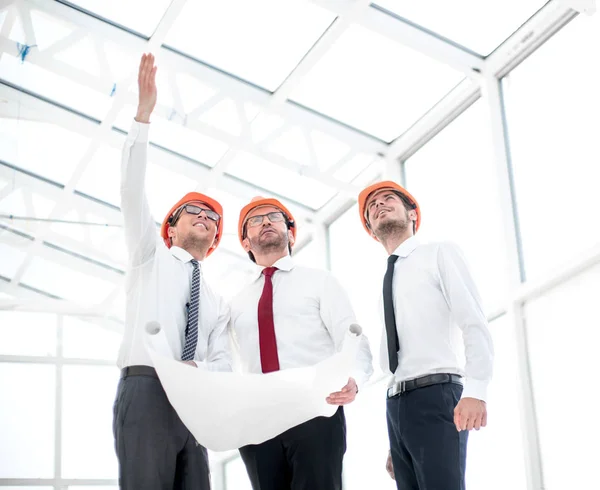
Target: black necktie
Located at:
point(390, 317)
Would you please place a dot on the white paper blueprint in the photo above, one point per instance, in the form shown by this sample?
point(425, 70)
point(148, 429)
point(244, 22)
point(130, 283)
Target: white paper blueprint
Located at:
point(228, 410)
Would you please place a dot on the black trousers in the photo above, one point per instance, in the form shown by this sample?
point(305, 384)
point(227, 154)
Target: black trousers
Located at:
point(306, 457)
point(155, 450)
point(428, 452)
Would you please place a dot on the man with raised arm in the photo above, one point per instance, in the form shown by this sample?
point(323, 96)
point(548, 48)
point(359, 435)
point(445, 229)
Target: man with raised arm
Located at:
point(164, 284)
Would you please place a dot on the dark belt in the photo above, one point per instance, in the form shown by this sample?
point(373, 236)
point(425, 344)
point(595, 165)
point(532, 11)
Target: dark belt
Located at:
point(139, 371)
point(412, 384)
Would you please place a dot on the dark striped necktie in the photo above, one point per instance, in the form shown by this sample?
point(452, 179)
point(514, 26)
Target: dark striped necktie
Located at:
point(191, 330)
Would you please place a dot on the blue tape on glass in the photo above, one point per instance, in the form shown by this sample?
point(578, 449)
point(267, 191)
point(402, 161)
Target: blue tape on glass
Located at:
point(24, 50)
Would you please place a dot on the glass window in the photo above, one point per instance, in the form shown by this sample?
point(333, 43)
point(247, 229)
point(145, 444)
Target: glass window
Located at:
point(128, 13)
point(27, 334)
point(563, 334)
point(311, 255)
point(454, 179)
point(479, 26)
point(24, 202)
point(88, 444)
point(355, 166)
point(350, 245)
point(12, 258)
point(105, 244)
point(27, 400)
point(66, 282)
point(27, 144)
point(236, 477)
point(262, 43)
point(279, 180)
point(552, 103)
point(54, 87)
point(48, 29)
point(86, 340)
point(185, 141)
point(327, 150)
point(499, 446)
point(109, 240)
point(356, 83)
point(102, 177)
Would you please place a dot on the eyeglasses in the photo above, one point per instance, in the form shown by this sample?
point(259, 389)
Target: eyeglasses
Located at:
point(196, 210)
point(274, 217)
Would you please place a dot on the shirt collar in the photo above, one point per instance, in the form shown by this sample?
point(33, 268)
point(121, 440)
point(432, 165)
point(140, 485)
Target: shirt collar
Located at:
point(283, 264)
point(407, 247)
point(182, 254)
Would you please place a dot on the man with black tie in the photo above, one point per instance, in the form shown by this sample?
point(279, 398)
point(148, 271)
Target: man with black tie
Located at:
point(292, 316)
point(433, 317)
point(164, 284)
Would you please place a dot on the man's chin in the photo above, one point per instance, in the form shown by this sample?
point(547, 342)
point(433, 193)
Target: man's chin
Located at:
point(270, 245)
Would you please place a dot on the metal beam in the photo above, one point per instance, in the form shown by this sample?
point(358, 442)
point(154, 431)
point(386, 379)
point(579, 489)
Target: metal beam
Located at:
point(408, 34)
point(530, 36)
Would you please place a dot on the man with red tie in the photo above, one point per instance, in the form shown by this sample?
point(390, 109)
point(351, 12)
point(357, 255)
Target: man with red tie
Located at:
point(164, 284)
point(292, 316)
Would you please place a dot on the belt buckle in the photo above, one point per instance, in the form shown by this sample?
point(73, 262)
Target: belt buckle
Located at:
point(397, 389)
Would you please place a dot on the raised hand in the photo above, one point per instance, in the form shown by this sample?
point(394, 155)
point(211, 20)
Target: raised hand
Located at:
point(147, 88)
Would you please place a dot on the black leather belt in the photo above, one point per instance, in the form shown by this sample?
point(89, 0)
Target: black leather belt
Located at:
point(412, 384)
point(138, 371)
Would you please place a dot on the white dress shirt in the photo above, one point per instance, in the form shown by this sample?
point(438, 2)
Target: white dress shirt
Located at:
point(158, 281)
point(311, 314)
point(439, 318)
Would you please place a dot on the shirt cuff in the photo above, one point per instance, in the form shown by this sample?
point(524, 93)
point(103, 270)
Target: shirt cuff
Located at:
point(138, 133)
point(475, 388)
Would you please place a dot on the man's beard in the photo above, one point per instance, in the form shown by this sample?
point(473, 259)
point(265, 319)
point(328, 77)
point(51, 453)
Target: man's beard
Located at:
point(271, 243)
point(392, 227)
point(194, 242)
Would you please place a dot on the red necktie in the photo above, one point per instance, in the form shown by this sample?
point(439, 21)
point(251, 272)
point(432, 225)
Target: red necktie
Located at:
point(269, 359)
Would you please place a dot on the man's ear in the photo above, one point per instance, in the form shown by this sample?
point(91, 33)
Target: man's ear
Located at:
point(291, 238)
point(412, 214)
point(171, 231)
point(246, 244)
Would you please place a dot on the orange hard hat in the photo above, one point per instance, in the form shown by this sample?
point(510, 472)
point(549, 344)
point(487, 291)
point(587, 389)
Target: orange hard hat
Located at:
point(364, 195)
point(191, 197)
point(258, 202)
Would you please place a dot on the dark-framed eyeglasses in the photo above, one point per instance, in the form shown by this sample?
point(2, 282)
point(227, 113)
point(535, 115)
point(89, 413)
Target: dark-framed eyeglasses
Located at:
point(274, 217)
point(195, 210)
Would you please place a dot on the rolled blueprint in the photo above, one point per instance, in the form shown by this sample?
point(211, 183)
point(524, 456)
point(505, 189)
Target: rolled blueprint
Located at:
point(229, 410)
